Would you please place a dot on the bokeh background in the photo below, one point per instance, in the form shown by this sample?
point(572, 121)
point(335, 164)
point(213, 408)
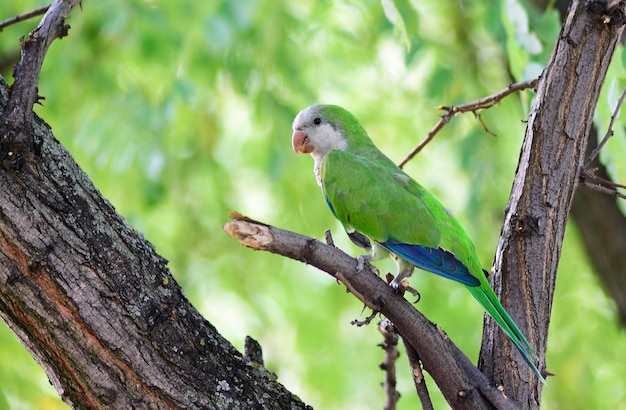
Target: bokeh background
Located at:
point(180, 111)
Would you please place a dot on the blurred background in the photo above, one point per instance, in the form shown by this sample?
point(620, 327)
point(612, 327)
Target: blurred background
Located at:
point(181, 111)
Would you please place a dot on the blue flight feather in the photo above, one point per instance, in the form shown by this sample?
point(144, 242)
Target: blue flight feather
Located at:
point(438, 261)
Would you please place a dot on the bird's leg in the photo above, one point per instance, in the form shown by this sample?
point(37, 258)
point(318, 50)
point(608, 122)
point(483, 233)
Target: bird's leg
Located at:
point(363, 260)
point(405, 269)
point(399, 283)
point(377, 253)
point(363, 241)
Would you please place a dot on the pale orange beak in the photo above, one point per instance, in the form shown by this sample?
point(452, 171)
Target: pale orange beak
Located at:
point(301, 143)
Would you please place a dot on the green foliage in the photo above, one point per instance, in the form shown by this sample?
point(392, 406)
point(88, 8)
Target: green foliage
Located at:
point(181, 111)
point(615, 149)
point(528, 45)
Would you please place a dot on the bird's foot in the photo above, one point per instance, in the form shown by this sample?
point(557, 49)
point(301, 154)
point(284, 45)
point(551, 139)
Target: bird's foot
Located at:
point(366, 321)
point(363, 260)
point(413, 292)
point(401, 285)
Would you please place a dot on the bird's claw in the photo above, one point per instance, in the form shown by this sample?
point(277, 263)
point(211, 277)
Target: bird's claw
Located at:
point(413, 292)
point(366, 321)
point(363, 260)
point(402, 286)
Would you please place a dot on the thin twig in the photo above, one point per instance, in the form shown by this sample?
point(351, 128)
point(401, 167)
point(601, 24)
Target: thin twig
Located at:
point(591, 175)
point(603, 189)
point(473, 106)
point(603, 185)
point(390, 346)
point(329, 238)
point(609, 131)
point(22, 17)
point(482, 123)
point(418, 376)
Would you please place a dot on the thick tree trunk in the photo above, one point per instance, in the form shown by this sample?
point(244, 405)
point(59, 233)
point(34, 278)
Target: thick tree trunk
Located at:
point(547, 177)
point(97, 307)
point(601, 224)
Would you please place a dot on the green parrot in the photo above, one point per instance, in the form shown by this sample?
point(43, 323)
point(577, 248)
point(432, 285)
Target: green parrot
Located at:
point(379, 205)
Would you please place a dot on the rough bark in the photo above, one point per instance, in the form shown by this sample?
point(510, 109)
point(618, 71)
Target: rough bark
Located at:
point(599, 218)
point(545, 182)
point(86, 294)
point(97, 307)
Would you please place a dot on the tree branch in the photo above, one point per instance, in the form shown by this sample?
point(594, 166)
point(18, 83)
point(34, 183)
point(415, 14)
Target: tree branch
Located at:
point(435, 349)
point(609, 131)
point(86, 295)
point(16, 136)
point(390, 346)
point(473, 106)
point(24, 16)
point(34, 49)
point(418, 376)
point(598, 217)
point(604, 185)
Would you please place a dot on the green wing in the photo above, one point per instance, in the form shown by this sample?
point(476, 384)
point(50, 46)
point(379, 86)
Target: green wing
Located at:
point(372, 195)
point(369, 193)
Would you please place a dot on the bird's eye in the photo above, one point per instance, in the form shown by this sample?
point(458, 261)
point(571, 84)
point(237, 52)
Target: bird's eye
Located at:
point(317, 121)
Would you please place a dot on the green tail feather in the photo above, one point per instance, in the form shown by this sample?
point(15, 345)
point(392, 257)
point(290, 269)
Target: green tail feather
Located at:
point(488, 299)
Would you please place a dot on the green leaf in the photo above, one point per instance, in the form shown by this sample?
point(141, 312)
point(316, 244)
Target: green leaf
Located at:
point(396, 19)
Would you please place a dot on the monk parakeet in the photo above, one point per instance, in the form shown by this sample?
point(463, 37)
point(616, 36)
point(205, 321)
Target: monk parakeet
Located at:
point(379, 204)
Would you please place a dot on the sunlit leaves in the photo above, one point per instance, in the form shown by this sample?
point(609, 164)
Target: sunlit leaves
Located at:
point(404, 18)
point(528, 45)
point(181, 111)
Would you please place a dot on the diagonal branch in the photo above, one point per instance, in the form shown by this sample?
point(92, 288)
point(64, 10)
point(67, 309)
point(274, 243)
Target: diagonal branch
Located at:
point(472, 106)
point(24, 16)
point(609, 131)
point(435, 349)
point(418, 376)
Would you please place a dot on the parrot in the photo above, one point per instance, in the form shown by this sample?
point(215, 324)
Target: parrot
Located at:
point(383, 209)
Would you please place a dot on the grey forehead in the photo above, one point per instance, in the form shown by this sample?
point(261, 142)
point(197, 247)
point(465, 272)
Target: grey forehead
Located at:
point(305, 115)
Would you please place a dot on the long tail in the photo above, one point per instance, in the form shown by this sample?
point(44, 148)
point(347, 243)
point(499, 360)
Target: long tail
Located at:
point(488, 299)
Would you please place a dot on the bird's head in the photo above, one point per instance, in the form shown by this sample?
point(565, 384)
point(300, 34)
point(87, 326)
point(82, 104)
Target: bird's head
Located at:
point(321, 128)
